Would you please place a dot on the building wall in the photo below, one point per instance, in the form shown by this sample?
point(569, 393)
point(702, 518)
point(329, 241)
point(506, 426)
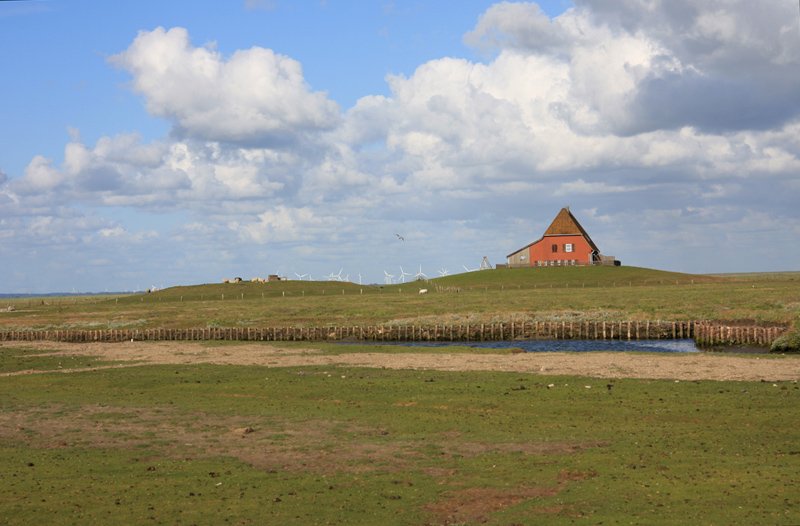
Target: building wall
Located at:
point(520, 258)
point(542, 251)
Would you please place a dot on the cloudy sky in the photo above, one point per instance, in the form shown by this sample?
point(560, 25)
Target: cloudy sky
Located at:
point(159, 143)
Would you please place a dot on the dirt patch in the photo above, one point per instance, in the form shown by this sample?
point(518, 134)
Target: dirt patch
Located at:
point(695, 366)
point(265, 443)
point(474, 505)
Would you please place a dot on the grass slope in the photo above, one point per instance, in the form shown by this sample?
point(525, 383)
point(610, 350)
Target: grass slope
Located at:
point(612, 293)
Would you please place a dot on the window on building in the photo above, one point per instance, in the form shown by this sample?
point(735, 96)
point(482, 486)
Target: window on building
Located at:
point(555, 249)
point(569, 247)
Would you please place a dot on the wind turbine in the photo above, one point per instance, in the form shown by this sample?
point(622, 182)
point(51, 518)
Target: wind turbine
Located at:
point(300, 276)
point(444, 272)
point(403, 275)
point(469, 269)
point(387, 278)
point(419, 276)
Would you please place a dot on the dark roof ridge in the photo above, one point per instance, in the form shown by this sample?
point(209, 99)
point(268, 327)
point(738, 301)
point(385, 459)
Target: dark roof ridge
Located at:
point(564, 224)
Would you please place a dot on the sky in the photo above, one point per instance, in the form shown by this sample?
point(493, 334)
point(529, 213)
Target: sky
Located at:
point(151, 144)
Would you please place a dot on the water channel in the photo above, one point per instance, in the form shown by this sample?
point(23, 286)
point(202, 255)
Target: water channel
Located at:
point(659, 346)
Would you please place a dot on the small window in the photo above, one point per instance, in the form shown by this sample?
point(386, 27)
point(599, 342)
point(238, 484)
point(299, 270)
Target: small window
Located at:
point(555, 249)
point(569, 247)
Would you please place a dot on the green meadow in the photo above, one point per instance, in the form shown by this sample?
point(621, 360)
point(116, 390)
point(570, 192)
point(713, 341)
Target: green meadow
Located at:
point(83, 442)
point(207, 444)
point(569, 293)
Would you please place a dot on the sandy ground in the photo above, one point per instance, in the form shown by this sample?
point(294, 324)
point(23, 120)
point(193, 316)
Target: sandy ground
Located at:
point(700, 366)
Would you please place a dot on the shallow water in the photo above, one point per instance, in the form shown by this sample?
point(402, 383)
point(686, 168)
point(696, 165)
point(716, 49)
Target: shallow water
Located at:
point(661, 346)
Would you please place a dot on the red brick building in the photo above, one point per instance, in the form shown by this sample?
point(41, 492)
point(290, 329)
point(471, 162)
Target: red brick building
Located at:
point(564, 243)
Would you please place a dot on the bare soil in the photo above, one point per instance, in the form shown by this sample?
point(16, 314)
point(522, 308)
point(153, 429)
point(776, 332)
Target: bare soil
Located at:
point(700, 366)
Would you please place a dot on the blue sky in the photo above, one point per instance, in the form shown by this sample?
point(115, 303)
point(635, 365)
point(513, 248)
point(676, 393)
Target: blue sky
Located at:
point(160, 143)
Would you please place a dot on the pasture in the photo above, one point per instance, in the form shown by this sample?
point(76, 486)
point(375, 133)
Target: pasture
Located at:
point(320, 433)
point(569, 293)
point(210, 444)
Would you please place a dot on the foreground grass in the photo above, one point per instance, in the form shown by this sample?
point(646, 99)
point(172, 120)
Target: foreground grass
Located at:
point(26, 359)
point(253, 445)
point(599, 293)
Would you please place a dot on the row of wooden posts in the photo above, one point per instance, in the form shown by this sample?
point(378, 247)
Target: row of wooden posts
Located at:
point(704, 333)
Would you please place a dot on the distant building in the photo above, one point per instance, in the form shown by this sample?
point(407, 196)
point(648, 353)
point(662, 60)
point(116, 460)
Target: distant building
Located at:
point(564, 243)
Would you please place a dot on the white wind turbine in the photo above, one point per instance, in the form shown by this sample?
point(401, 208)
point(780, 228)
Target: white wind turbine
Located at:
point(300, 276)
point(388, 278)
point(419, 276)
point(444, 272)
point(469, 269)
point(403, 275)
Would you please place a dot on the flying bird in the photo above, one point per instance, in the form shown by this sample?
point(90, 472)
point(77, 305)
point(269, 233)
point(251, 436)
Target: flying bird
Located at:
point(401, 238)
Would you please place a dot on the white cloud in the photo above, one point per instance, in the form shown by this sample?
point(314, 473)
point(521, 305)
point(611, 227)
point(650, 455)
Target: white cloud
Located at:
point(255, 96)
point(282, 224)
point(603, 101)
point(40, 176)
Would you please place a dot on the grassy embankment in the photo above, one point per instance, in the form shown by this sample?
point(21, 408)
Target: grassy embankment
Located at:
point(598, 293)
point(210, 444)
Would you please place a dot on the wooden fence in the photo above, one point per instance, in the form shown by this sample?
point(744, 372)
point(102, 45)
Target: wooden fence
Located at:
point(704, 333)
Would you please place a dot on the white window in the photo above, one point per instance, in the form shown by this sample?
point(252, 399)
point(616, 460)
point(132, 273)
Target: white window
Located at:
point(569, 247)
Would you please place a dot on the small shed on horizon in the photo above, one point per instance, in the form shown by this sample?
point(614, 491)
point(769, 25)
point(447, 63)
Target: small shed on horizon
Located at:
point(564, 243)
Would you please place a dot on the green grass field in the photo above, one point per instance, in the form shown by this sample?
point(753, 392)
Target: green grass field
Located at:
point(570, 293)
point(207, 444)
point(214, 444)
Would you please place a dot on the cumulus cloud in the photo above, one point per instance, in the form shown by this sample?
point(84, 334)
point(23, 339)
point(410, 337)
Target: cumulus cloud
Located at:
point(281, 224)
point(255, 96)
point(634, 113)
point(514, 25)
point(641, 65)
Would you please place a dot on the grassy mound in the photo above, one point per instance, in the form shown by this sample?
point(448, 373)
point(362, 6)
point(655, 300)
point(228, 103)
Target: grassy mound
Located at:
point(571, 276)
point(789, 342)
